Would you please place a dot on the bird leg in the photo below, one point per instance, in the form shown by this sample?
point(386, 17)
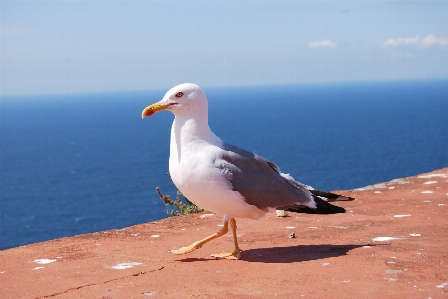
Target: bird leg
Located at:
point(236, 253)
point(198, 244)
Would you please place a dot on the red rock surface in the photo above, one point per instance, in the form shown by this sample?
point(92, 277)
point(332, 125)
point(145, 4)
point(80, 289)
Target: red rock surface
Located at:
point(332, 256)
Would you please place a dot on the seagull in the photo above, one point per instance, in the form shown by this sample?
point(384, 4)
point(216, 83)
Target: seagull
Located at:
point(223, 178)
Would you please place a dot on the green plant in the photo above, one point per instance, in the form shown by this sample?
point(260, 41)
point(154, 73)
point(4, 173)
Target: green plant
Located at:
point(178, 206)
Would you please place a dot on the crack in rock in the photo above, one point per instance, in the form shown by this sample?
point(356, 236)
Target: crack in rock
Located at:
point(93, 284)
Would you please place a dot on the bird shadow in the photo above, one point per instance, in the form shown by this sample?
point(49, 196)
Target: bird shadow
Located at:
point(289, 254)
point(294, 254)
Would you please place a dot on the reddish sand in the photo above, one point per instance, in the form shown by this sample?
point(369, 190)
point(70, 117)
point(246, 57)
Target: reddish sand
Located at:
point(332, 256)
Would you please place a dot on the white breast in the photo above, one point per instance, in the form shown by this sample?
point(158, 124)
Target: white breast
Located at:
point(194, 173)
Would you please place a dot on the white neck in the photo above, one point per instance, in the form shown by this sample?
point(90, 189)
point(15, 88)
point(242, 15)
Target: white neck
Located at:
point(190, 130)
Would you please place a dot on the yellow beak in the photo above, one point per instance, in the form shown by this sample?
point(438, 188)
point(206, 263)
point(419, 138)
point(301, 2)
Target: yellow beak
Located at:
point(154, 108)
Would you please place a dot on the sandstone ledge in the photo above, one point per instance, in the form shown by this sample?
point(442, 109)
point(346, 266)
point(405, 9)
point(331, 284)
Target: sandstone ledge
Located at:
point(334, 256)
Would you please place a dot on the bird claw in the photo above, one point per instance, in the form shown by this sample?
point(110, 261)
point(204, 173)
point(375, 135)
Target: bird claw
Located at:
point(181, 250)
point(187, 249)
point(229, 256)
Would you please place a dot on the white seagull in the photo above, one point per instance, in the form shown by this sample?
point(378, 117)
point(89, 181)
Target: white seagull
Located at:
point(223, 178)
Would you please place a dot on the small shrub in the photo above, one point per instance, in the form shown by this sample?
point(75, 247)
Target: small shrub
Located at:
point(178, 206)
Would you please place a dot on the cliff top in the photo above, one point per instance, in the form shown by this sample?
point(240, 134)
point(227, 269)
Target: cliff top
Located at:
point(391, 242)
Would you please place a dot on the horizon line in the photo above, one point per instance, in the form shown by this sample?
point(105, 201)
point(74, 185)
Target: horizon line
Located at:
point(26, 95)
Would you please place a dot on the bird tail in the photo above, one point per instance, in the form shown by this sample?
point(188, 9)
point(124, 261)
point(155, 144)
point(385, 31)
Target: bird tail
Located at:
point(328, 196)
point(322, 199)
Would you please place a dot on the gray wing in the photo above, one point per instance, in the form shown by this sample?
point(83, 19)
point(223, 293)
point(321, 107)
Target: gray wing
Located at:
point(259, 181)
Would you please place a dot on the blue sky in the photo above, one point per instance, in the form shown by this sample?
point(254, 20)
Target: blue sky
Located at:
point(50, 47)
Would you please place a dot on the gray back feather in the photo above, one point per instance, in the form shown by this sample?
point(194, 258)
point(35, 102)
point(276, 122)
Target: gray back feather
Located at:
point(259, 181)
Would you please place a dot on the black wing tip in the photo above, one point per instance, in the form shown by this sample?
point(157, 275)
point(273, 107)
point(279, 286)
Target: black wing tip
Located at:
point(322, 207)
point(331, 196)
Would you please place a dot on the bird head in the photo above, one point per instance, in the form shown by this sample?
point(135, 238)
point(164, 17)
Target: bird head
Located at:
point(181, 99)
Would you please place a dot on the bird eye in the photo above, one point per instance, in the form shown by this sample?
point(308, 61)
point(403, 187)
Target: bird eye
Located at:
point(179, 94)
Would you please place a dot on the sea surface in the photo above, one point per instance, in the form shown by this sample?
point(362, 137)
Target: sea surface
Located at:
point(73, 164)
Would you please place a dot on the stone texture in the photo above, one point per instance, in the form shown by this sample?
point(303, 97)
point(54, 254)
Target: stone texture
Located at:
point(391, 243)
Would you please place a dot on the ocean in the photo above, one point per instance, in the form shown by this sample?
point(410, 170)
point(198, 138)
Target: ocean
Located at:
point(74, 164)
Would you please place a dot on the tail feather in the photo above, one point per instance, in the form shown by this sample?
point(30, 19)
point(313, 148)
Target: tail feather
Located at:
point(331, 196)
point(323, 206)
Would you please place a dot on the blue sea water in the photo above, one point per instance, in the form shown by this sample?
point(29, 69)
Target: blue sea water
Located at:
point(74, 164)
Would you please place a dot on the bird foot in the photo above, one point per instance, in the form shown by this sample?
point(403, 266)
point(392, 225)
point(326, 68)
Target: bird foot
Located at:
point(236, 255)
point(186, 249)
